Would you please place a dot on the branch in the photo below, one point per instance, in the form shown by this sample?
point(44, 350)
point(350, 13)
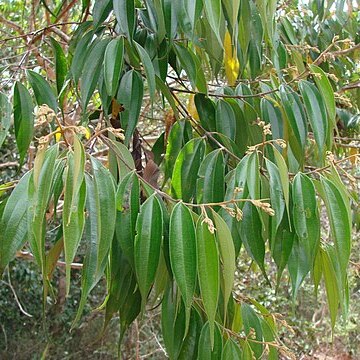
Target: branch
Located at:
point(29, 256)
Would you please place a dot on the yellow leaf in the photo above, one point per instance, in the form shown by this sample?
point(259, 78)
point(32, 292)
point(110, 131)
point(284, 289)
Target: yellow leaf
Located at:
point(231, 61)
point(58, 134)
point(192, 108)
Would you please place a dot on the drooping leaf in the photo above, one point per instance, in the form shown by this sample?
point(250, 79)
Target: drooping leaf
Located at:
point(23, 119)
point(42, 90)
point(213, 10)
point(149, 233)
point(210, 345)
point(113, 63)
point(5, 117)
point(74, 203)
point(206, 110)
point(182, 245)
point(231, 350)
point(93, 66)
point(101, 11)
point(185, 169)
point(61, 67)
point(316, 112)
point(208, 273)
point(13, 222)
point(125, 15)
point(127, 205)
point(306, 216)
point(149, 69)
point(130, 96)
point(210, 184)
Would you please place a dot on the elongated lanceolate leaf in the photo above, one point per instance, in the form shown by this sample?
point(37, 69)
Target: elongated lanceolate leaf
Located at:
point(231, 350)
point(5, 117)
point(182, 245)
point(210, 345)
point(208, 272)
point(23, 119)
point(13, 223)
point(61, 67)
point(149, 232)
point(113, 63)
point(125, 15)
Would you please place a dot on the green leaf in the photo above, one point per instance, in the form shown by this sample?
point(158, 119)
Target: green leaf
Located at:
point(5, 117)
point(326, 90)
point(251, 234)
point(13, 222)
point(167, 94)
point(101, 11)
point(23, 119)
point(251, 321)
point(149, 69)
point(316, 112)
point(227, 255)
point(213, 10)
point(42, 90)
point(225, 119)
point(340, 224)
point(330, 286)
point(113, 63)
point(306, 216)
point(182, 244)
point(208, 273)
point(210, 344)
point(128, 206)
point(91, 73)
point(130, 95)
point(172, 322)
point(276, 192)
point(206, 110)
point(186, 168)
point(253, 176)
point(149, 233)
point(74, 203)
point(176, 140)
point(40, 190)
point(231, 350)
point(125, 15)
point(99, 228)
point(210, 186)
point(61, 67)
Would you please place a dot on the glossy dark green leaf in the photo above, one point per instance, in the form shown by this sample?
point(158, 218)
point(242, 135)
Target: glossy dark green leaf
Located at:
point(13, 222)
point(326, 90)
point(276, 192)
point(149, 233)
point(182, 244)
point(172, 322)
point(208, 272)
point(101, 11)
point(61, 67)
point(128, 206)
point(40, 187)
point(213, 10)
point(251, 234)
point(330, 286)
point(176, 140)
point(130, 96)
point(125, 15)
point(149, 69)
point(231, 350)
point(340, 224)
point(225, 119)
point(227, 255)
point(316, 111)
point(93, 65)
point(210, 348)
point(252, 321)
point(113, 63)
point(5, 117)
point(23, 119)
point(206, 110)
point(210, 186)
point(186, 168)
point(306, 215)
point(42, 90)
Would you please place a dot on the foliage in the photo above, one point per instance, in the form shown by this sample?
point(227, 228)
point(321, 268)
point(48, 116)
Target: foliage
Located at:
point(256, 98)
